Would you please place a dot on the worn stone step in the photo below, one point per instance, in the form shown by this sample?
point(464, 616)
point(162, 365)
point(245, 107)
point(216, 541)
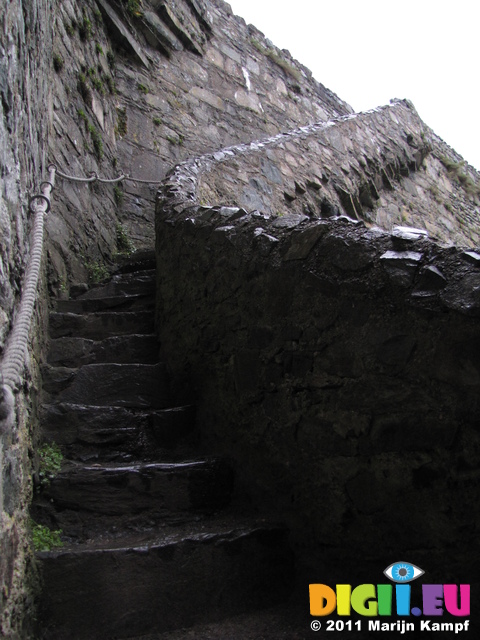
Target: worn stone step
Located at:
point(97, 326)
point(75, 352)
point(105, 432)
point(116, 385)
point(142, 260)
point(155, 584)
point(85, 501)
point(117, 303)
point(136, 283)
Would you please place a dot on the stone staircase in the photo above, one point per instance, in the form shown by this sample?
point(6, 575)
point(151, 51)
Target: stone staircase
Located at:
point(152, 539)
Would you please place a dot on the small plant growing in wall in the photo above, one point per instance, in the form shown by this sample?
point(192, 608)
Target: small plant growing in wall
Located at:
point(70, 28)
point(157, 121)
point(58, 62)
point(43, 538)
point(121, 126)
point(50, 462)
point(118, 195)
point(133, 8)
point(84, 89)
point(97, 271)
point(110, 82)
point(125, 246)
point(143, 88)
point(85, 29)
point(96, 141)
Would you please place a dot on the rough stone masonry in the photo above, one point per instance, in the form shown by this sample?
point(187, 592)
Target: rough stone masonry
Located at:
point(339, 358)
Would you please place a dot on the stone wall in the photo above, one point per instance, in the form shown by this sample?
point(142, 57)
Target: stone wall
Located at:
point(24, 120)
point(140, 91)
point(384, 167)
point(335, 362)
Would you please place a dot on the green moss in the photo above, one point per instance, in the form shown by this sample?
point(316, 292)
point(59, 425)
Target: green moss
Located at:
point(259, 47)
point(85, 29)
point(456, 170)
point(110, 82)
point(179, 140)
point(58, 62)
point(98, 49)
point(157, 121)
point(143, 88)
point(43, 538)
point(50, 462)
point(118, 196)
point(125, 246)
point(70, 28)
point(84, 89)
point(133, 7)
point(111, 58)
point(121, 126)
point(286, 66)
point(277, 59)
point(98, 84)
point(96, 141)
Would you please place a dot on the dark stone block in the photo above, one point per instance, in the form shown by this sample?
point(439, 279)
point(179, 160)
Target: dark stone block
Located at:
point(120, 385)
point(366, 492)
point(247, 371)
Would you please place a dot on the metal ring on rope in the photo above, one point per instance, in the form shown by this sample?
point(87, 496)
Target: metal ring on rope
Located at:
point(39, 196)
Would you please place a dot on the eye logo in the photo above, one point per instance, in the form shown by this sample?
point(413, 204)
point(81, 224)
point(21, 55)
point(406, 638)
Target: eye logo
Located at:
point(403, 572)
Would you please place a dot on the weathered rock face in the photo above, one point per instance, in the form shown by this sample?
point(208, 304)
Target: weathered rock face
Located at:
point(335, 362)
point(142, 90)
point(24, 28)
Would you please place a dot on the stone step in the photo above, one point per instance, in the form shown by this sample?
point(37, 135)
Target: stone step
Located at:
point(97, 326)
point(86, 432)
point(118, 303)
point(142, 260)
point(143, 386)
point(155, 584)
point(136, 283)
point(75, 352)
point(86, 501)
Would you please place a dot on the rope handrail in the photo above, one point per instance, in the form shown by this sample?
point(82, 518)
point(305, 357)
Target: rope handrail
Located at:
point(94, 177)
point(16, 345)
point(15, 349)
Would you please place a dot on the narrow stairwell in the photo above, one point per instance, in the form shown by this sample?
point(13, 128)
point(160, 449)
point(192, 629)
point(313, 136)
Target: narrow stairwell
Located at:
point(152, 541)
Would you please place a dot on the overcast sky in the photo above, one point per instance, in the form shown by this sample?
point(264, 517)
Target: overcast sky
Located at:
point(369, 51)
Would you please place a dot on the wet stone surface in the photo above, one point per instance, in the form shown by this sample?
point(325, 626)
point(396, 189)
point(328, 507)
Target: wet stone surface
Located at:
point(143, 515)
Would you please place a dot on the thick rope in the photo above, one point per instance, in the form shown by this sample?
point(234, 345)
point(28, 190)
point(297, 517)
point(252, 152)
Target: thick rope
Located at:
point(95, 178)
point(16, 347)
point(15, 352)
